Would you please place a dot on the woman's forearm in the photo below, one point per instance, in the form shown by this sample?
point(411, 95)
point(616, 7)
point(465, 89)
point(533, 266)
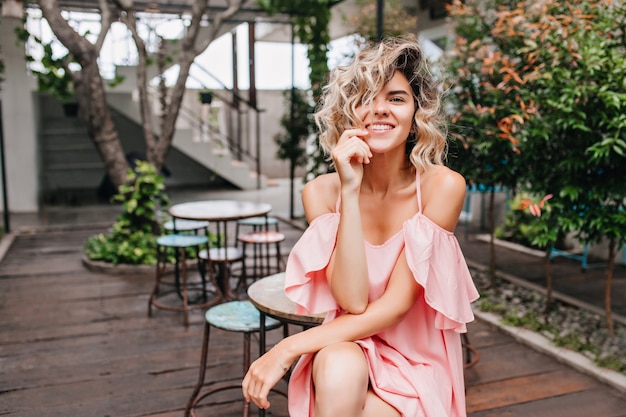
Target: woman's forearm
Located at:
point(348, 275)
point(378, 316)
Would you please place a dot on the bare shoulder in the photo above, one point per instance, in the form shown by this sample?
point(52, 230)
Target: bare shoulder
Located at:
point(319, 196)
point(447, 180)
point(443, 193)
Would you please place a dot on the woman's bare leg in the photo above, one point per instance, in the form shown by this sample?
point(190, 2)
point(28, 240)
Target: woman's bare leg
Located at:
point(340, 378)
point(376, 407)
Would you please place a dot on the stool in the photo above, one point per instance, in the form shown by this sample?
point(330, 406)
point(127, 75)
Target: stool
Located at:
point(470, 354)
point(261, 265)
point(258, 223)
point(221, 259)
point(181, 225)
point(179, 243)
point(233, 316)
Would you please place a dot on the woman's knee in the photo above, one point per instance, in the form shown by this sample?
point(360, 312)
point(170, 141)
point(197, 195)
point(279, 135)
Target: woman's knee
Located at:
point(339, 361)
point(341, 368)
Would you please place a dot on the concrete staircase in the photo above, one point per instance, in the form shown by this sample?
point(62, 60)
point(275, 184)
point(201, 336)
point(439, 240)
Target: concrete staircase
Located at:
point(198, 144)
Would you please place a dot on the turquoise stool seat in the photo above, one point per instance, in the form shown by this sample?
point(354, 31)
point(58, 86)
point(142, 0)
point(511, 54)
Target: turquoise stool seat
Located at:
point(232, 316)
point(181, 241)
point(181, 286)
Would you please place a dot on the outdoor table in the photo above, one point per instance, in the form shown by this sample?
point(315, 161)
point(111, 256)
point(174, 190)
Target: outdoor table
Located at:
point(219, 212)
point(268, 296)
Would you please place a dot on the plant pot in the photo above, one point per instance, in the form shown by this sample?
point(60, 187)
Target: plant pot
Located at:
point(206, 97)
point(70, 109)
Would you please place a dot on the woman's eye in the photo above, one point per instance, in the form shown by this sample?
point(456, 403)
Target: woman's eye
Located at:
point(397, 99)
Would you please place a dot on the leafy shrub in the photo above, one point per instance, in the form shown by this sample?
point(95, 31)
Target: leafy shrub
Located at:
point(132, 238)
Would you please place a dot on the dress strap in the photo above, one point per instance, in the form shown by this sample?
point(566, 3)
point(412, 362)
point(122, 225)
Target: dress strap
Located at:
point(418, 187)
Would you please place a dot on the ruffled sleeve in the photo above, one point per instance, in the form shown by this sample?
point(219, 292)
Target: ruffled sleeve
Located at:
point(438, 265)
point(305, 274)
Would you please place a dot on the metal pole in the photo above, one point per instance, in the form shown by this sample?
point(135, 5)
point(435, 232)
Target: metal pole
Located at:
point(3, 172)
point(293, 94)
point(253, 97)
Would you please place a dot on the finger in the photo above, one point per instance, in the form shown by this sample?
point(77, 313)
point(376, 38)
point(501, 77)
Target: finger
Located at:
point(245, 385)
point(349, 133)
point(265, 391)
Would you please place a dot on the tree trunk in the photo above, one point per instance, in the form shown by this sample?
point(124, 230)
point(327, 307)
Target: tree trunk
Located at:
point(90, 93)
point(94, 111)
point(492, 244)
point(292, 193)
point(549, 288)
point(607, 287)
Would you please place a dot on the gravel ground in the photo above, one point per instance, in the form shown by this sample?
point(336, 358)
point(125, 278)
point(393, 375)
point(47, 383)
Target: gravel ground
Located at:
point(566, 325)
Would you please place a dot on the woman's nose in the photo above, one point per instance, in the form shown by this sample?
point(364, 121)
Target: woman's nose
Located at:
point(380, 107)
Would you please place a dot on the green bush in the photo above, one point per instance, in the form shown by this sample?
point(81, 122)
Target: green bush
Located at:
point(132, 239)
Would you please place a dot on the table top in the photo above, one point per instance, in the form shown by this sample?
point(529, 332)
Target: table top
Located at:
point(268, 295)
point(218, 210)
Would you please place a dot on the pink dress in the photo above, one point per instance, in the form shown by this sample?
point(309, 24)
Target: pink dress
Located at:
point(417, 365)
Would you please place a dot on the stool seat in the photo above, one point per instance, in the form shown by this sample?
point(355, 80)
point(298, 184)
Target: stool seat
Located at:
point(261, 241)
point(238, 316)
point(233, 316)
point(262, 237)
point(181, 241)
point(181, 225)
point(182, 286)
point(228, 254)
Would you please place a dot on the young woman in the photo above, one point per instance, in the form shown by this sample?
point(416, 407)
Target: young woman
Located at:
point(379, 255)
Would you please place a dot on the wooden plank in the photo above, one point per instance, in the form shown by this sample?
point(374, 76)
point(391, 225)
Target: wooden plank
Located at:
point(526, 388)
point(596, 402)
point(506, 361)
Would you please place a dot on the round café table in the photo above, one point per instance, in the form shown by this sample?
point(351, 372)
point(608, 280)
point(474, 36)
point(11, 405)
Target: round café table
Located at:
point(219, 212)
point(268, 296)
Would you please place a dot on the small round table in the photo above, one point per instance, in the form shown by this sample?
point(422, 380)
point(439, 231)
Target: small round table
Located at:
point(220, 212)
point(268, 296)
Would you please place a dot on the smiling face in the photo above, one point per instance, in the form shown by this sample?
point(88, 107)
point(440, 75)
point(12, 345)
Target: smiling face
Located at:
point(389, 117)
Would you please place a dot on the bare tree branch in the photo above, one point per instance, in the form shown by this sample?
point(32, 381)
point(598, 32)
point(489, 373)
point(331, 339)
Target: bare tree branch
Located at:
point(89, 91)
point(129, 18)
point(105, 22)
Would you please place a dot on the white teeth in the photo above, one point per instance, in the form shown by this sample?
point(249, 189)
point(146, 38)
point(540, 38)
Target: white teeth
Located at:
point(380, 127)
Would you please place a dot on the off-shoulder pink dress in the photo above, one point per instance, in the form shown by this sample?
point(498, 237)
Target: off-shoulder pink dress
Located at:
point(417, 365)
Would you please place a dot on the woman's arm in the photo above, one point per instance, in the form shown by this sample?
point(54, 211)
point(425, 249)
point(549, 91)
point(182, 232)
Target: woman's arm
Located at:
point(400, 295)
point(347, 272)
point(347, 269)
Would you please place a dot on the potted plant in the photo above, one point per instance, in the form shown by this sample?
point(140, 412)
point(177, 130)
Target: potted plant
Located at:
point(206, 97)
point(132, 239)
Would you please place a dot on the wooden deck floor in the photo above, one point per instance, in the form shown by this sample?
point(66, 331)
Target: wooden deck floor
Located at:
point(74, 343)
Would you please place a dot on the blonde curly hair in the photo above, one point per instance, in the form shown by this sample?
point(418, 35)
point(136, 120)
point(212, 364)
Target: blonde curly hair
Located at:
point(358, 83)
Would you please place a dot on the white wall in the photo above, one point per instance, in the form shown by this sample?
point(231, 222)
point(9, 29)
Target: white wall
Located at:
point(18, 122)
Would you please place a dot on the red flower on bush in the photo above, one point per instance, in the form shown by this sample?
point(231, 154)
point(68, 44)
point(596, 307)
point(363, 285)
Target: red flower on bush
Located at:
point(534, 207)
